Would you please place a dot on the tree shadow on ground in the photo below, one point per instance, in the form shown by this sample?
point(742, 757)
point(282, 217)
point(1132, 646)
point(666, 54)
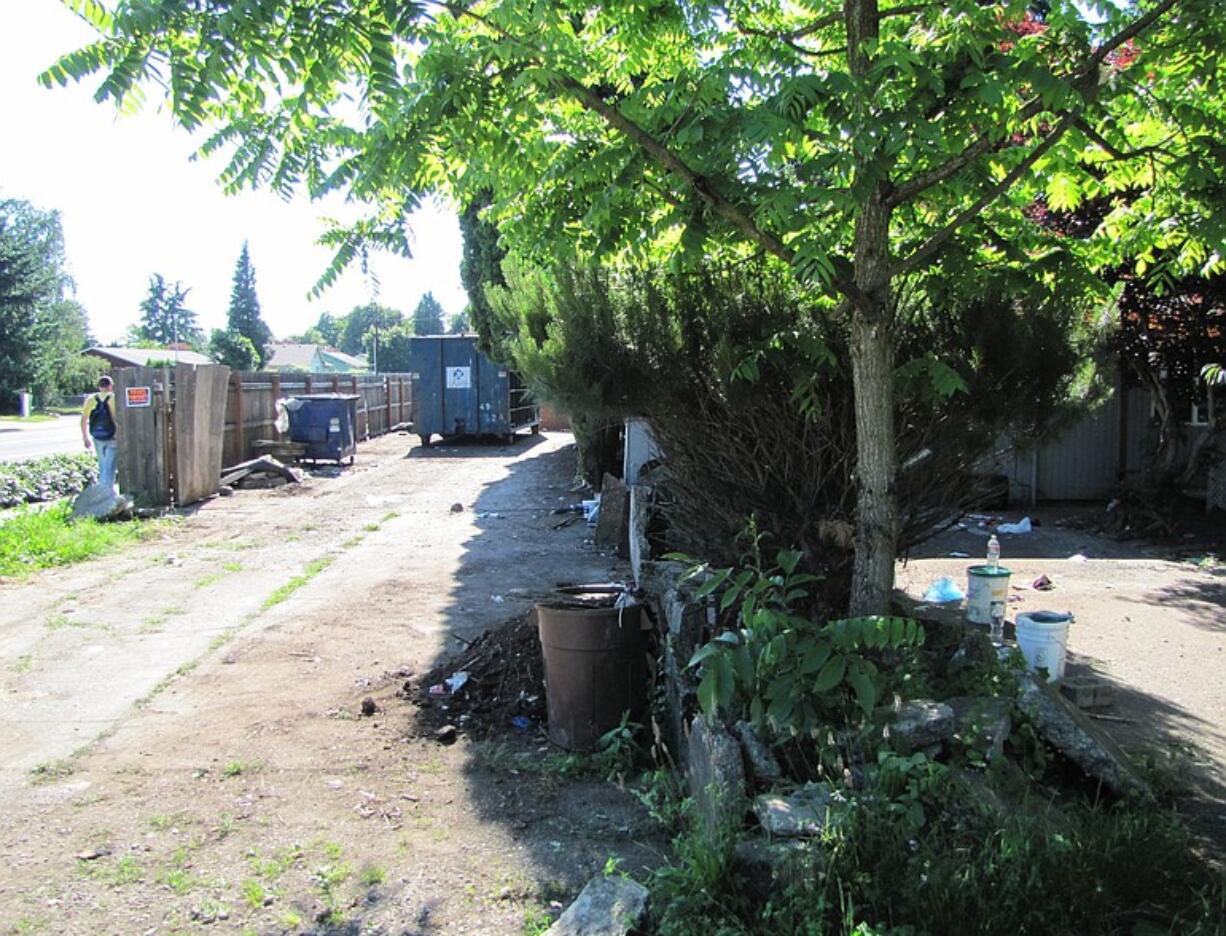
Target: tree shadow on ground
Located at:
point(565, 820)
point(1204, 596)
point(1163, 737)
point(476, 447)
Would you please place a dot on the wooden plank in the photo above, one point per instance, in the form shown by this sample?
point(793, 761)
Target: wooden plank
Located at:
point(240, 446)
point(200, 406)
point(140, 431)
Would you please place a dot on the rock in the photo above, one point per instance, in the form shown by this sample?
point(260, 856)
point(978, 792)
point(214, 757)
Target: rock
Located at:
point(716, 777)
point(369, 707)
point(101, 503)
point(612, 526)
point(1077, 738)
point(226, 492)
point(768, 867)
point(610, 905)
point(796, 815)
point(763, 767)
point(457, 508)
point(657, 576)
point(919, 724)
point(446, 734)
point(982, 722)
point(93, 854)
point(686, 621)
point(1088, 692)
point(641, 500)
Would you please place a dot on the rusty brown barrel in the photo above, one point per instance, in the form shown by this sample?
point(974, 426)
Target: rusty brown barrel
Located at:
point(595, 667)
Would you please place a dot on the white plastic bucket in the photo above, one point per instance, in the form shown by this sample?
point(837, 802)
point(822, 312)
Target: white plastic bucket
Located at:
point(1043, 639)
point(983, 586)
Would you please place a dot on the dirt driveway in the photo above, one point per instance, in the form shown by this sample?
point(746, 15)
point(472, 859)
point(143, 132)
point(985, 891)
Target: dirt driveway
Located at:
point(181, 744)
point(1149, 621)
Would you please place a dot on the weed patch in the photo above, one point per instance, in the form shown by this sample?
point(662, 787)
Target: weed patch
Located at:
point(52, 771)
point(312, 569)
point(41, 539)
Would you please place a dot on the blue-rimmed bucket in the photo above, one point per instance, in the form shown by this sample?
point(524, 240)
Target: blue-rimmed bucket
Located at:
point(984, 585)
point(1043, 639)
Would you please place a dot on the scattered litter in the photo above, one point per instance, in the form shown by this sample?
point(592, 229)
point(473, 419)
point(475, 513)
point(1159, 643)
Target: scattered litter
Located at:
point(456, 681)
point(457, 508)
point(943, 590)
point(489, 515)
point(1042, 583)
point(1022, 526)
point(497, 599)
point(438, 689)
point(521, 722)
point(1077, 557)
point(959, 555)
point(591, 511)
point(566, 521)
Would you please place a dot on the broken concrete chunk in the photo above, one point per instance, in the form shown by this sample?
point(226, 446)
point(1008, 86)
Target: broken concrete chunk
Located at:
point(804, 813)
point(610, 905)
point(1087, 692)
point(767, 865)
point(686, 622)
point(1077, 738)
point(983, 722)
point(717, 776)
point(613, 524)
point(641, 500)
point(919, 724)
point(763, 767)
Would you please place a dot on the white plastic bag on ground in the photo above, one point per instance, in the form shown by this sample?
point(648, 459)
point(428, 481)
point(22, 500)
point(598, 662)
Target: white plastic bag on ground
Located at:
point(1022, 526)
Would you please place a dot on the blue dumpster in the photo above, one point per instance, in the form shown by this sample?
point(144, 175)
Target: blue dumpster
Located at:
point(458, 391)
point(326, 423)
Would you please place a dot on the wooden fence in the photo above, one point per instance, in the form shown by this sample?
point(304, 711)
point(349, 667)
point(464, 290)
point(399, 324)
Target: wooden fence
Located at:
point(251, 404)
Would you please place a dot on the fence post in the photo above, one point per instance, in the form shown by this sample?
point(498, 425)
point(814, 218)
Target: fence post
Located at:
point(336, 384)
point(387, 404)
point(240, 440)
point(400, 399)
point(276, 395)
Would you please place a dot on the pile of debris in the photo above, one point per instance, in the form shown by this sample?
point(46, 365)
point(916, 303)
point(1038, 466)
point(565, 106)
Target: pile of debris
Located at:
point(496, 685)
point(262, 472)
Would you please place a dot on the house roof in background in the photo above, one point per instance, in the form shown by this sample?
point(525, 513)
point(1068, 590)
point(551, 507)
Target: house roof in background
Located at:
point(140, 357)
point(302, 356)
point(355, 361)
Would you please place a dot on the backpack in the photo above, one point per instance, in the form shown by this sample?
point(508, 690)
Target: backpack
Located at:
point(101, 422)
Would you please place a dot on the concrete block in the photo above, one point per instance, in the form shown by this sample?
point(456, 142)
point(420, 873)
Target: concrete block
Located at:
point(610, 905)
point(716, 777)
point(1088, 692)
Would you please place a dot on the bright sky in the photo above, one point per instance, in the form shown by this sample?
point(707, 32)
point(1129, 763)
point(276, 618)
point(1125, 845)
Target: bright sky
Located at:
point(132, 204)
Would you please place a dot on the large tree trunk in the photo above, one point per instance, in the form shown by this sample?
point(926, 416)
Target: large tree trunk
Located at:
point(872, 362)
point(872, 368)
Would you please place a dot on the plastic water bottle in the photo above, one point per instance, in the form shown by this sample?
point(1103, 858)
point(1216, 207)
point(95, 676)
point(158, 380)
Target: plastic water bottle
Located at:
point(993, 552)
point(997, 622)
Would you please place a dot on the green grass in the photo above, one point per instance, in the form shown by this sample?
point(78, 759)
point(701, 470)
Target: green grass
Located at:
point(312, 569)
point(32, 418)
point(372, 875)
point(232, 567)
point(23, 664)
point(51, 771)
point(41, 539)
point(235, 769)
point(254, 893)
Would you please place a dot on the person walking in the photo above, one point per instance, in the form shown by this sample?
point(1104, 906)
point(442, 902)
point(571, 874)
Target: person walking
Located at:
point(98, 429)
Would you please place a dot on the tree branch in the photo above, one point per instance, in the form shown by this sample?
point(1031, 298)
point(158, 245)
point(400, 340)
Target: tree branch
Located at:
point(1110, 148)
point(925, 250)
point(921, 183)
point(1131, 31)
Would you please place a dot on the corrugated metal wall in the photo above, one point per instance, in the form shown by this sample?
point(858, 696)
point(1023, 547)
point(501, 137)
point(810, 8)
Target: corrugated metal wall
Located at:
point(1083, 461)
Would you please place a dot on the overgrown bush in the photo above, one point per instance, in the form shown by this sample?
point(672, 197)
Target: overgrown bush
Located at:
point(745, 382)
point(44, 479)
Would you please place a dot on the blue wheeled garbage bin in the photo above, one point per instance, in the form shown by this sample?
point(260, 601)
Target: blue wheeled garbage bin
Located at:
point(326, 423)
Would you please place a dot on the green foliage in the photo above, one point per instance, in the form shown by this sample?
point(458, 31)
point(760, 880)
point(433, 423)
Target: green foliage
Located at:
point(780, 667)
point(428, 316)
point(394, 348)
point(481, 268)
point(923, 846)
point(243, 315)
point(44, 479)
point(233, 349)
point(42, 332)
point(355, 328)
point(40, 539)
point(460, 323)
point(165, 318)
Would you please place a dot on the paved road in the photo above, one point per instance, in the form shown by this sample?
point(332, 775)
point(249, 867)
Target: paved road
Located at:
point(19, 441)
